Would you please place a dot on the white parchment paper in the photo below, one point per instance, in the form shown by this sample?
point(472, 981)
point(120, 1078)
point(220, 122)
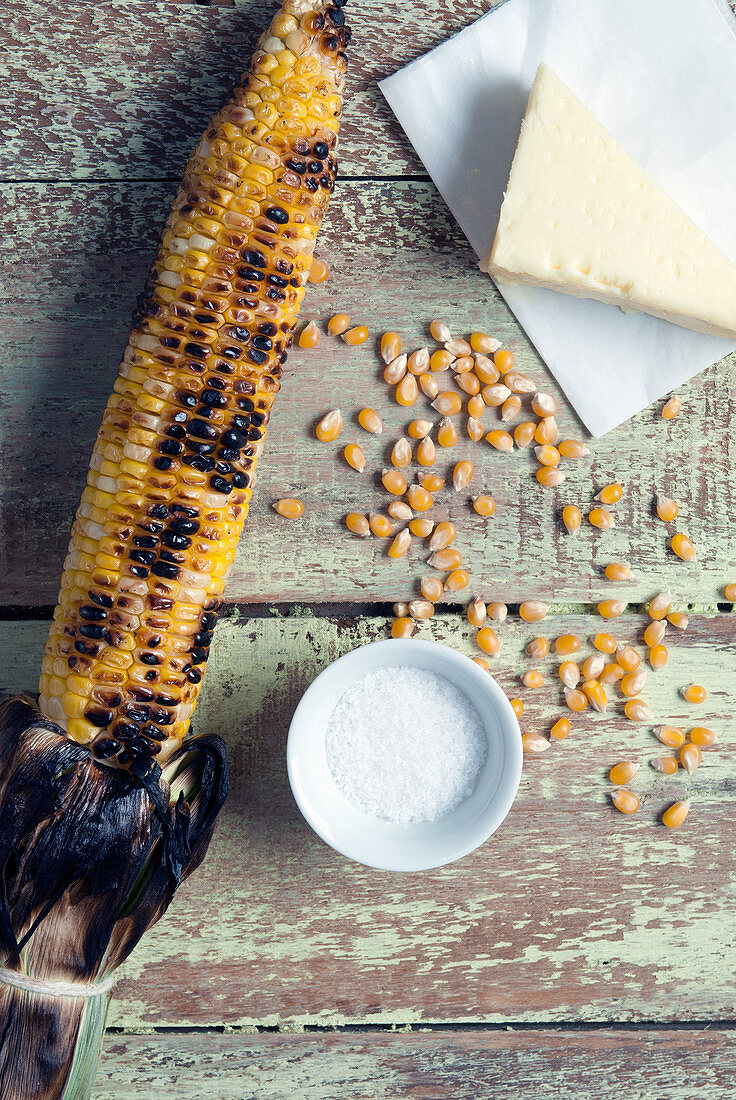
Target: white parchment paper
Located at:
point(661, 75)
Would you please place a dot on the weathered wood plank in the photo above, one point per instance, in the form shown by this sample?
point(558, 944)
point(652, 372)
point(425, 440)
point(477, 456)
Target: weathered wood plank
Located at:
point(570, 913)
point(397, 260)
point(486, 1065)
point(123, 89)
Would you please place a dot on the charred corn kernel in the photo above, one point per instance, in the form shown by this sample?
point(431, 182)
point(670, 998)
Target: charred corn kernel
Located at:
point(544, 404)
point(440, 361)
point(519, 383)
point(447, 403)
point(447, 433)
point(462, 475)
point(532, 679)
point(445, 559)
point(484, 505)
point(567, 644)
point(419, 499)
point(503, 359)
point(464, 365)
point(628, 658)
point(550, 476)
point(595, 693)
point(458, 347)
point(691, 758)
point(406, 393)
point(660, 605)
point(390, 346)
point(421, 527)
point(395, 370)
point(495, 395)
point(658, 656)
point(487, 640)
point(546, 431)
point(611, 609)
point(400, 610)
point(672, 736)
point(667, 765)
point(309, 336)
point(730, 593)
point(633, 682)
point(623, 773)
point(511, 407)
point(421, 609)
point(394, 481)
point(671, 408)
point(429, 385)
point(380, 525)
point(289, 508)
point(533, 743)
point(679, 620)
point(655, 632)
point(356, 335)
point(682, 546)
point(486, 370)
point(443, 534)
point(432, 588)
point(469, 384)
point(329, 426)
point(338, 324)
point(501, 440)
point(537, 648)
point(625, 801)
point(354, 457)
point(693, 693)
point(605, 643)
point(474, 429)
point(575, 699)
point(431, 482)
point(569, 673)
point(426, 452)
point(419, 429)
point(533, 611)
point(403, 628)
point(357, 523)
point(667, 508)
point(702, 737)
point(524, 433)
point(572, 517)
point(400, 544)
point(636, 710)
point(418, 361)
point(561, 729)
point(480, 341)
point(610, 494)
point(593, 666)
point(482, 662)
point(547, 455)
point(457, 580)
point(440, 331)
point(600, 518)
point(401, 453)
point(319, 272)
point(611, 673)
point(572, 448)
point(370, 421)
point(517, 706)
point(400, 511)
point(497, 611)
point(476, 407)
point(618, 571)
point(476, 612)
point(674, 816)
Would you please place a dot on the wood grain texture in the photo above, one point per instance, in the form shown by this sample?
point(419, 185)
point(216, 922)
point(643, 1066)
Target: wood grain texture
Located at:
point(123, 89)
point(518, 1065)
point(572, 912)
point(397, 259)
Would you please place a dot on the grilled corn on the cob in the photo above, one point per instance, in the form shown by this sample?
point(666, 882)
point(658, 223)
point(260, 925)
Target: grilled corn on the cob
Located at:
point(172, 471)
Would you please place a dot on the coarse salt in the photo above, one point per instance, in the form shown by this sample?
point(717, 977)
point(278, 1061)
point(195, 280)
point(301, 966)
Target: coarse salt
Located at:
point(405, 745)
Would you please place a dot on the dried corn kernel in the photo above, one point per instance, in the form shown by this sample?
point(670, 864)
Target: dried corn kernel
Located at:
point(319, 271)
point(338, 324)
point(672, 736)
point(633, 682)
point(691, 758)
point(550, 476)
point(569, 673)
point(671, 408)
point(431, 482)
point(480, 341)
point(421, 609)
point(572, 448)
point(667, 765)
point(595, 693)
point(394, 481)
point(501, 440)
point(524, 434)
point(575, 699)
point(419, 499)
point(463, 365)
point(462, 475)
point(447, 433)
point(426, 452)
point(561, 729)
point(511, 408)
point(357, 523)
point(403, 628)
point(474, 429)
point(623, 773)
point(628, 658)
point(406, 393)
point(660, 605)
point(537, 648)
point(484, 505)
point(495, 395)
point(329, 427)
point(533, 743)
point(503, 359)
point(447, 403)
point(547, 455)
point(309, 336)
point(572, 517)
point(468, 383)
point(443, 534)
point(730, 593)
point(395, 370)
point(655, 632)
point(428, 385)
point(418, 361)
point(702, 737)
point(605, 643)
point(419, 429)
point(421, 527)
point(401, 610)
point(440, 331)
point(546, 431)
point(432, 588)
point(593, 666)
point(440, 361)
point(445, 559)
point(487, 640)
point(544, 404)
point(486, 370)
point(476, 612)
point(625, 801)
point(517, 706)
point(533, 679)
point(693, 693)
point(380, 525)
point(674, 816)
point(400, 544)
point(618, 571)
point(476, 407)
point(497, 611)
point(482, 662)
point(611, 494)
point(370, 421)
point(400, 511)
point(667, 508)
point(567, 644)
point(354, 457)
point(679, 620)
point(390, 346)
point(611, 609)
point(682, 546)
point(600, 518)
point(355, 336)
point(658, 656)
point(636, 710)
point(289, 508)
point(457, 580)
point(611, 673)
point(533, 611)
point(518, 382)
point(401, 453)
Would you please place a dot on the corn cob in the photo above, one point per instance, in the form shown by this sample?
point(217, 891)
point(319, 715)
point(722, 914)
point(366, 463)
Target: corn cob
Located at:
point(172, 471)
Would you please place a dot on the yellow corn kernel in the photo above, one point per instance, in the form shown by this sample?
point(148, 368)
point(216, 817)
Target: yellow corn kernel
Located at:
point(671, 408)
point(655, 632)
point(623, 773)
point(546, 431)
point(504, 360)
point(501, 440)
point(395, 370)
point(517, 706)
point(518, 382)
point(309, 336)
point(448, 403)
point(693, 693)
point(400, 544)
point(575, 699)
point(445, 559)
point(440, 331)
point(476, 406)
point(482, 662)
point(572, 448)
point(524, 433)
point(458, 347)
point(418, 361)
point(547, 455)
point(633, 682)
point(289, 508)
point(537, 648)
point(660, 605)
point(357, 523)
point(356, 335)
point(561, 729)
point(618, 571)
point(611, 673)
point(572, 517)
point(474, 429)
point(532, 679)
point(544, 404)
point(569, 673)
point(487, 640)
point(428, 385)
point(401, 453)
point(431, 482)
point(462, 475)
point(702, 737)
point(667, 508)
point(593, 666)
point(511, 408)
point(600, 518)
point(447, 433)
point(672, 736)
point(421, 609)
point(667, 765)
point(457, 580)
point(421, 527)
point(628, 658)
point(390, 346)
point(442, 536)
point(533, 611)
point(403, 627)
point(370, 421)
point(394, 481)
point(380, 525)
point(611, 609)
point(550, 476)
point(319, 272)
point(610, 494)
point(468, 382)
point(625, 801)
point(682, 546)
point(419, 429)
point(484, 505)
point(533, 743)
point(476, 612)
point(432, 588)
point(691, 758)
point(636, 710)
point(605, 643)
point(426, 452)
point(497, 611)
point(658, 656)
point(674, 816)
point(480, 341)
point(440, 361)
point(730, 593)
point(406, 393)
point(495, 395)
point(329, 427)
point(486, 370)
point(338, 324)
point(679, 620)
point(419, 499)
point(595, 693)
point(354, 457)
point(567, 644)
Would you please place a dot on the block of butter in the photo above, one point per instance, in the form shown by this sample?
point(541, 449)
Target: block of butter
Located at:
point(581, 216)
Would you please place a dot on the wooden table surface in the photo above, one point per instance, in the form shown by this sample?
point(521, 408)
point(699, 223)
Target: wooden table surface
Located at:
point(579, 952)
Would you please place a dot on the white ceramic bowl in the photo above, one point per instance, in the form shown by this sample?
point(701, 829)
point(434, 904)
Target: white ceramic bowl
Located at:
point(379, 843)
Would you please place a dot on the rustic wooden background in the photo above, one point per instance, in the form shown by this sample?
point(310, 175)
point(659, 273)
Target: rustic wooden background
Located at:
point(578, 951)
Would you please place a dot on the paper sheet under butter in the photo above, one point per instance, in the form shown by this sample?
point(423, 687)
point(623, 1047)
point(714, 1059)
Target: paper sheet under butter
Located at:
point(660, 75)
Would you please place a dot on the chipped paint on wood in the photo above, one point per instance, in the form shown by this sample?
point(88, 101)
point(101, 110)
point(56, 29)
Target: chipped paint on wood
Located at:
point(570, 913)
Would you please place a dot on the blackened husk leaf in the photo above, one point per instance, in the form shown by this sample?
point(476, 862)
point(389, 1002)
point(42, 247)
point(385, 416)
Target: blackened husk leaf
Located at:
point(90, 858)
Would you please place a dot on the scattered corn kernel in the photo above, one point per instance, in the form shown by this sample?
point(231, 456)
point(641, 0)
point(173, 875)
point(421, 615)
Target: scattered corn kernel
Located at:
point(480, 341)
point(419, 429)
point(517, 706)
point(569, 673)
point(432, 588)
point(431, 482)
point(533, 743)
point(487, 640)
point(547, 455)
point(464, 365)
point(447, 433)
point(593, 666)
point(462, 475)
point(672, 736)
point(497, 611)
point(567, 644)
point(482, 662)
point(702, 737)
point(469, 384)
point(319, 271)
point(636, 710)
point(419, 499)
point(679, 620)
point(457, 580)
point(730, 593)
point(356, 335)
point(537, 648)
point(667, 508)
point(511, 408)
point(667, 765)
point(691, 758)
point(544, 404)
point(440, 331)
point(329, 426)
point(605, 643)
point(611, 673)
point(443, 534)
point(458, 347)
point(693, 693)
point(596, 695)
point(682, 546)
point(406, 393)
point(397, 509)
point(546, 431)
point(524, 433)
point(501, 440)
point(476, 612)
point(474, 429)
point(440, 361)
point(572, 448)
point(503, 359)
point(357, 523)
point(380, 525)
point(289, 508)
point(401, 453)
point(476, 407)
point(532, 679)
point(660, 605)
point(561, 729)
point(610, 494)
point(428, 385)
point(445, 559)
point(448, 403)
point(401, 610)
point(625, 801)
point(390, 346)
point(623, 773)
point(575, 699)
point(495, 395)
point(338, 324)
point(600, 518)
point(426, 452)
point(674, 816)
point(628, 658)
point(403, 627)
point(309, 336)
point(394, 481)
point(421, 609)
point(550, 476)
point(618, 571)
point(611, 609)
point(572, 517)
point(655, 632)
point(633, 682)
point(370, 421)
point(671, 408)
point(422, 527)
point(518, 382)
point(486, 370)
point(484, 505)
point(395, 370)
point(533, 611)
point(418, 361)
point(354, 457)
point(400, 544)
point(658, 656)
